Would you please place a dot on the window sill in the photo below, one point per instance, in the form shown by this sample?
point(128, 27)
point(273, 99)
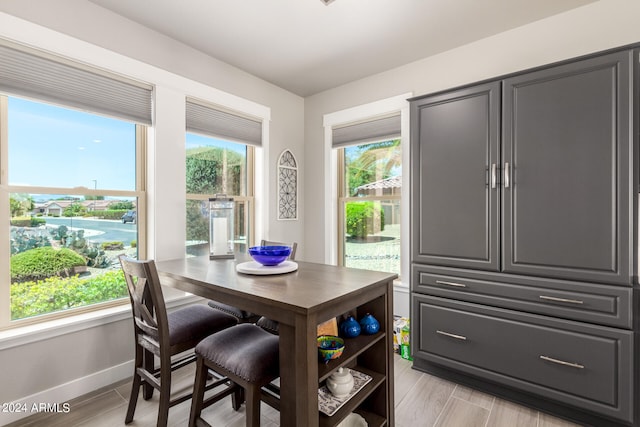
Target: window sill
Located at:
point(46, 330)
point(400, 285)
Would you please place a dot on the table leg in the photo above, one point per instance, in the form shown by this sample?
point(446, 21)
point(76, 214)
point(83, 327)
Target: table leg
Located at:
point(299, 373)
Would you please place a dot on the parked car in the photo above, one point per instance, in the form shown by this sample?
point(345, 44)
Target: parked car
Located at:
point(129, 216)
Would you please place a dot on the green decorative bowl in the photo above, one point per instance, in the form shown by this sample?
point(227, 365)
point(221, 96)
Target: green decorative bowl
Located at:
point(330, 347)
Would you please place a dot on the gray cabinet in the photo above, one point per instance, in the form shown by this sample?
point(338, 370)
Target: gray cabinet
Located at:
point(554, 178)
point(455, 155)
point(567, 171)
point(523, 237)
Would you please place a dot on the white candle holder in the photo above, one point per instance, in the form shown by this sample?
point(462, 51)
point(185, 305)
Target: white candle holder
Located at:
point(221, 215)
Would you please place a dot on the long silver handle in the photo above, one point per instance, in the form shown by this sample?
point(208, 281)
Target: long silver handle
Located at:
point(494, 175)
point(507, 175)
point(448, 334)
point(556, 299)
point(457, 285)
point(562, 362)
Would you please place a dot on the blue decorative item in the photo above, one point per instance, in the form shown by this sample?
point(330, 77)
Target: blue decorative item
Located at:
point(330, 347)
point(369, 324)
point(350, 328)
point(269, 255)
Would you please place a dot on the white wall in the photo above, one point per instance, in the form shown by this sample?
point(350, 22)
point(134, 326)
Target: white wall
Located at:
point(71, 359)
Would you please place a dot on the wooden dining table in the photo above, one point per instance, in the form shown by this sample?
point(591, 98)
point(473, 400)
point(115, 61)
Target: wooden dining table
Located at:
point(300, 301)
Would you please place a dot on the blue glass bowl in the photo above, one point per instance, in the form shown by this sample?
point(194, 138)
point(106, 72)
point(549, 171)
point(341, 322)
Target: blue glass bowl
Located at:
point(269, 255)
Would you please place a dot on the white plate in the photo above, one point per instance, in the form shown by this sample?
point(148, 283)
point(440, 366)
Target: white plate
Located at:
point(254, 267)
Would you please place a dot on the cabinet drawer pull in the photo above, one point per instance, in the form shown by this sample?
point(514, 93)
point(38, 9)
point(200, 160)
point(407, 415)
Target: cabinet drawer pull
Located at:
point(458, 337)
point(494, 175)
point(457, 285)
point(556, 299)
point(562, 362)
point(507, 175)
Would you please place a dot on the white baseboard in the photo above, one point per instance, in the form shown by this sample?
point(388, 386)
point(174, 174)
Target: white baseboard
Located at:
point(401, 300)
point(46, 400)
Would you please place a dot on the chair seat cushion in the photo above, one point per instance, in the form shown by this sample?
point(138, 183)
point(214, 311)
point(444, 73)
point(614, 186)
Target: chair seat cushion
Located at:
point(196, 322)
point(234, 311)
point(245, 350)
point(268, 325)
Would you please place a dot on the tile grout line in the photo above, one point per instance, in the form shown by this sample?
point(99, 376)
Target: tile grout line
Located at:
point(493, 404)
point(435, 423)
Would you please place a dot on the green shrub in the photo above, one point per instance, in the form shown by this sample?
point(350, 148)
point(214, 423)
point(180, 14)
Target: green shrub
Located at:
point(111, 246)
point(364, 218)
point(134, 243)
point(21, 221)
point(27, 221)
point(55, 293)
point(37, 221)
point(111, 213)
point(40, 263)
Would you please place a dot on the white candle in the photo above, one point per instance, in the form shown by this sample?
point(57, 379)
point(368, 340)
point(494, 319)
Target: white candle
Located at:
point(220, 238)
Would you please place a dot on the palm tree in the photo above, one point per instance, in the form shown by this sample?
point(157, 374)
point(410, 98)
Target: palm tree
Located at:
point(376, 161)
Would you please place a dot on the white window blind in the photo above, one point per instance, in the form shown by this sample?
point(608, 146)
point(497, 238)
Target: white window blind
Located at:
point(46, 77)
point(379, 129)
point(211, 121)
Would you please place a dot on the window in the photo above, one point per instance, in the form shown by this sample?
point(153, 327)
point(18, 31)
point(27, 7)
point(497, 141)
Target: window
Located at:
point(370, 183)
point(376, 133)
point(73, 182)
point(216, 166)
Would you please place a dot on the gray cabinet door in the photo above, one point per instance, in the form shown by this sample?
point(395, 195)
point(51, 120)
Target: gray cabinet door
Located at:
point(454, 161)
point(567, 157)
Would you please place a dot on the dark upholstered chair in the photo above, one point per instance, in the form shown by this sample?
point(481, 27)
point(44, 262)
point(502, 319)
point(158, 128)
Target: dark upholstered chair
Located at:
point(164, 335)
point(246, 316)
point(248, 356)
point(269, 325)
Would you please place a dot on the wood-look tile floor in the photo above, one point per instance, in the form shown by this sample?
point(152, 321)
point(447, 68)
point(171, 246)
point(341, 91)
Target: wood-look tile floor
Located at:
point(421, 400)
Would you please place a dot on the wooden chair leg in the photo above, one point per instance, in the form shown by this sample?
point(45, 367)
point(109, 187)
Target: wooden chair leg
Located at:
point(237, 398)
point(148, 361)
point(252, 395)
point(133, 399)
point(165, 392)
point(198, 392)
point(135, 386)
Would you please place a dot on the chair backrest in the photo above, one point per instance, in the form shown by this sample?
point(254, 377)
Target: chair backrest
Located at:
point(292, 245)
point(150, 321)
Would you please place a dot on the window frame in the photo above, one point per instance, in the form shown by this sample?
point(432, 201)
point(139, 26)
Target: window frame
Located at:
point(344, 198)
point(358, 113)
point(248, 198)
point(141, 136)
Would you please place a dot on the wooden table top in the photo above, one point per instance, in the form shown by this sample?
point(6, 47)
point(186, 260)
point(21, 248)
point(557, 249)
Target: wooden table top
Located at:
point(306, 290)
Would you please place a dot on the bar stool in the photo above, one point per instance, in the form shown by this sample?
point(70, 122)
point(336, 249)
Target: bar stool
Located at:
point(247, 355)
point(165, 335)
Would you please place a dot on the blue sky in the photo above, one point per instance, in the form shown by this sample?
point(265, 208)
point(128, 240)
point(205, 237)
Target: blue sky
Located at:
point(51, 146)
point(55, 147)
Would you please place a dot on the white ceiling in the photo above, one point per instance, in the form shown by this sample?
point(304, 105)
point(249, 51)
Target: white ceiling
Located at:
point(306, 46)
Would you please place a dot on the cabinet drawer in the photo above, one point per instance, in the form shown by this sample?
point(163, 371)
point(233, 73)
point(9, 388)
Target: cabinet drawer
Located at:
point(593, 303)
point(583, 365)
